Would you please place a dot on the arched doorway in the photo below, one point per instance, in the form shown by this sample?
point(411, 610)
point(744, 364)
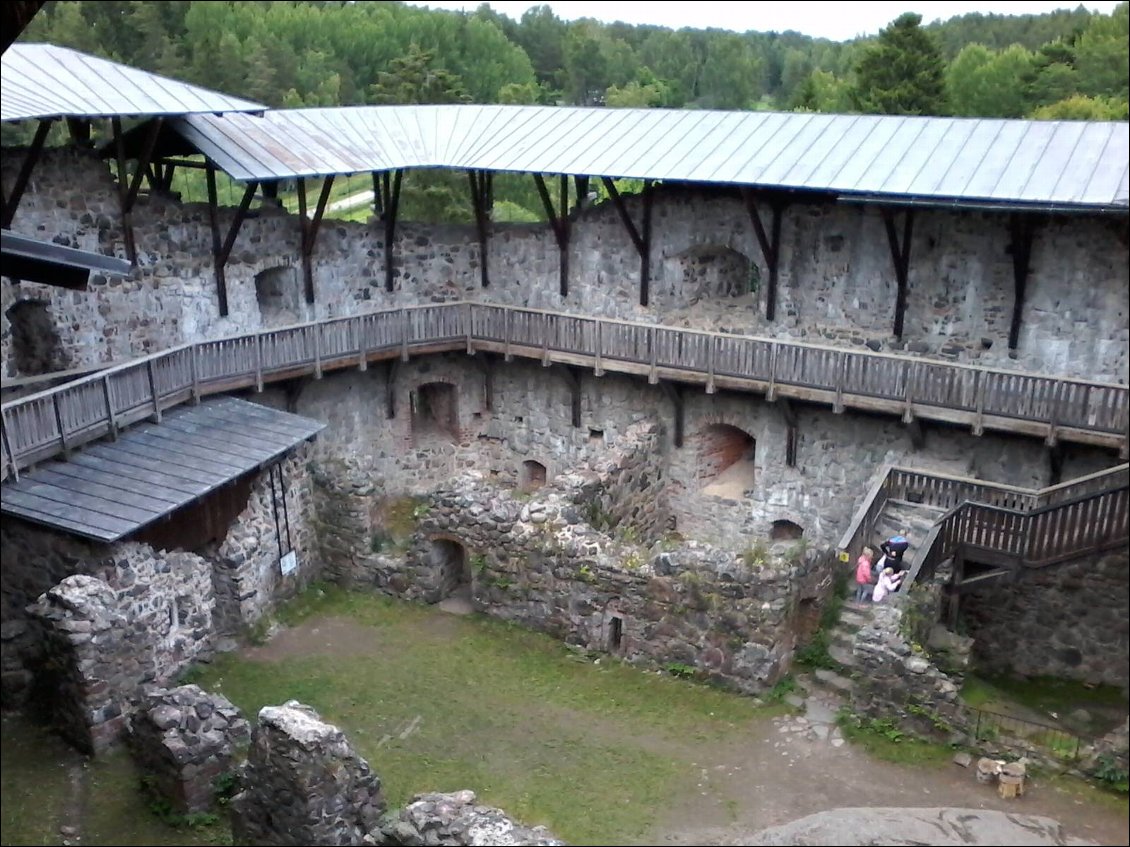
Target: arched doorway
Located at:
point(786, 531)
point(435, 412)
point(279, 297)
point(452, 564)
point(726, 461)
point(533, 475)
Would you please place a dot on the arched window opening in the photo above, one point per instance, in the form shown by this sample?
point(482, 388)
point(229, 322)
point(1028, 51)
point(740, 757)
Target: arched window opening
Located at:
point(36, 348)
point(726, 461)
point(435, 411)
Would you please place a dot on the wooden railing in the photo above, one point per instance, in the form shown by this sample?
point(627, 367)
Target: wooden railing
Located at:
point(54, 421)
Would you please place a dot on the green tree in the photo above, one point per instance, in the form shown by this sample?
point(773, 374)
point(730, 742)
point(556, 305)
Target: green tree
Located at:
point(1102, 55)
point(902, 73)
point(821, 92)
point(1080, 107)
point(731, 74)
point(983, 83)
point(417, 78)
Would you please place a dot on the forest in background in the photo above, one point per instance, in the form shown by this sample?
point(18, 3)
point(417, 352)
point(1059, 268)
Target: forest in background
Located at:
point(1066, 65)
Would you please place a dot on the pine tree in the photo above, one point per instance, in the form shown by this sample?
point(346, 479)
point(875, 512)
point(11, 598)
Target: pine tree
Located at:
point(902, 73)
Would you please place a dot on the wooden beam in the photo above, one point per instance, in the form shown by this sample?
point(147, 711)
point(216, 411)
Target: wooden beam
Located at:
point(479, 181)
point(675, 395)
point(900, 255)
point(792, 432)
point(221, 252)
point(143, 161)
point(391, 370)
point(213, 219)
point(390, 205)
point(643, 246)
point(309, 230)
point(770, 244)
point(123, 189)
point(12, 201)
point(560, 225)
point(79, 131)
point(1021, 228)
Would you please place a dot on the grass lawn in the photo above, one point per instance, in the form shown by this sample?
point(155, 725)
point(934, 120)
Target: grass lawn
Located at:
point(439, 703)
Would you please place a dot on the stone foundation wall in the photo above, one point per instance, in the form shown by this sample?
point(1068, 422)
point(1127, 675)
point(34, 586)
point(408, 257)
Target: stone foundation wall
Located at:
point(1066, 621)
point(537, 562)
point(303, 783)
point(248, 578)
point(456, 820)
point(183, 740)
point(836, 277)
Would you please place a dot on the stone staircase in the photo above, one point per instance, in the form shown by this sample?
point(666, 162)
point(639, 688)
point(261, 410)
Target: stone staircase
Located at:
point(834, 687)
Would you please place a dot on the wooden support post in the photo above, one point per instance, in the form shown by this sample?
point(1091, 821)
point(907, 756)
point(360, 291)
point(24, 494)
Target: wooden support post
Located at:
point(488, 382)
point(676, 397)
point(642, 247)
point(841, 378)
point(195, 367)
point(468, 326)
point(791, 430)
point(1055, 464)
point(123, 189)
point(979, 403)
point(653, 355)
point(1052, 436)
point(573, 378)
point(917, 434)
point(59, 424)
point(479, 180)
point(507, 331)
point(770, 244)
point(259, 362)
point(908, 409)
point(143, 161)
point(317, 328)
point(110, 415)
point(403, 335)
point(771, 393)
point(1021, 228)
point(309, 230)
point(221, 252)
point(710, 364)
point(12, 201)
point(900, 255)
point(598, 365)
point(560, 225)
point(153, 390)
point(79, 131)
point(390, 388)
point(390, 207)
point(362, 346)
point(11, 456)
point(545, 363)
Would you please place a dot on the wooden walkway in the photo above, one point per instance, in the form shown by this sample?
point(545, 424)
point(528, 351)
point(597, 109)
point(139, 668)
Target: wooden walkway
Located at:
point(57, 420)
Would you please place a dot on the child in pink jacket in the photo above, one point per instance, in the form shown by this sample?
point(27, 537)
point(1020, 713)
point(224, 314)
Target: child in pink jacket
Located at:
point(863, 575)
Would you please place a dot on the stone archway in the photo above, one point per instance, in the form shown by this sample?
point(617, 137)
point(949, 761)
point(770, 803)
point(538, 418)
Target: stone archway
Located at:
point(452, 567)
point(533, 475)
point(786, 531)
point(726, 461)
point(435, 412)
point(36, 348)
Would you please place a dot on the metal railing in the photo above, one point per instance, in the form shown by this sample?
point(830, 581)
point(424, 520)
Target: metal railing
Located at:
point(996, 728)
point(54, 421)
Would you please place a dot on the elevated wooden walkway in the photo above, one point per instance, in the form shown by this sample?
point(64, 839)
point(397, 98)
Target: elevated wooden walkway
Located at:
point(62, 418)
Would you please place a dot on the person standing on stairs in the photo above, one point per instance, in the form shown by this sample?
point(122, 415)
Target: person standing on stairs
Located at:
point(888, 583)
point(863, 575)
point(893, 549)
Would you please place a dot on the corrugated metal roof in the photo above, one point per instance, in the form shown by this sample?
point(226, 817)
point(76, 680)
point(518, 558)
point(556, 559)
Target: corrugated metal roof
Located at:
point(45, 81)
point(1058, 163)
point(113, 488)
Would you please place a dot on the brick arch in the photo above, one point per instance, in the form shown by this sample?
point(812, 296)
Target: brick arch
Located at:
point(725, 457)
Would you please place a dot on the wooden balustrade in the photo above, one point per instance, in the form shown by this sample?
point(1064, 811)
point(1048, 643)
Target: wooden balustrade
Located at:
point(49, 422)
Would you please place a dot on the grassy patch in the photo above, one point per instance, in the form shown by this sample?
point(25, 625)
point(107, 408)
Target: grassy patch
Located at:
point(883, 740)
point(442, 703)
point(1048, 700)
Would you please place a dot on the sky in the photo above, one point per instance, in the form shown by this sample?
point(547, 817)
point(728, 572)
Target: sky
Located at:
point(838, 21)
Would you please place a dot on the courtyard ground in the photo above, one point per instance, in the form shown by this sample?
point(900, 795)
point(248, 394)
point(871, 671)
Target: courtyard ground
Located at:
point(598, 752)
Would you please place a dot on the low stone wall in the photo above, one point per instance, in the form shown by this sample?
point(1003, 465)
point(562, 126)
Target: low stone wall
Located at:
point(455, 819)
point(183, 740)
point(303, 783)
point(1066, 621)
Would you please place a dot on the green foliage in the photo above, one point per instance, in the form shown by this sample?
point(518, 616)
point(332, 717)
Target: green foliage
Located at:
point(681, 670)
point(785, 686)
point(1112, 774)
point(163, 809)
point(478, 563)
point(814, 654)
point(756, 555)
point(1080, 107)
point(883, 739)
point(258, 633)
point(902, 73)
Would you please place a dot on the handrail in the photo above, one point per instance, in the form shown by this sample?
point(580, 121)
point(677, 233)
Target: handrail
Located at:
point(58, 419)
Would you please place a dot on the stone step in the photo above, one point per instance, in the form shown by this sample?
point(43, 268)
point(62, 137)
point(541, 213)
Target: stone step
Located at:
point(842, 636)
point(832, 681)
point(842, 655)
point(855, 617)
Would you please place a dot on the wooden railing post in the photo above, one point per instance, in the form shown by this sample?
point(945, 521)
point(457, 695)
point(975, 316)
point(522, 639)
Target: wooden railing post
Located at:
point(545, 363)
point(11, 456)
point(362, 348)
point(908, 412)
point(195, 369)
point(259, 361)
point(59, 424)
point(710, 345)
point(653, 373)
point(318, 351)
point(153, 390)
point(404, 335)
point(506, 357)
point(598, 367)
point(771, 394)
point(109, 407)
point(979, 402)
point(838, 405)
point(467, 328)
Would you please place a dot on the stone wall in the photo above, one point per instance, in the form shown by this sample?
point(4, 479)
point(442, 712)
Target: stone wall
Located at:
point(529, 418)
point(184, 740)
point(1066, 620)
point(454, 820)
point(303, 783)
point(836, 279)
point(537, 561)
point(247, 574)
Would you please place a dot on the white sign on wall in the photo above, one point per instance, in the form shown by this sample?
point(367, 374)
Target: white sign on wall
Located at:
point(289, 563)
